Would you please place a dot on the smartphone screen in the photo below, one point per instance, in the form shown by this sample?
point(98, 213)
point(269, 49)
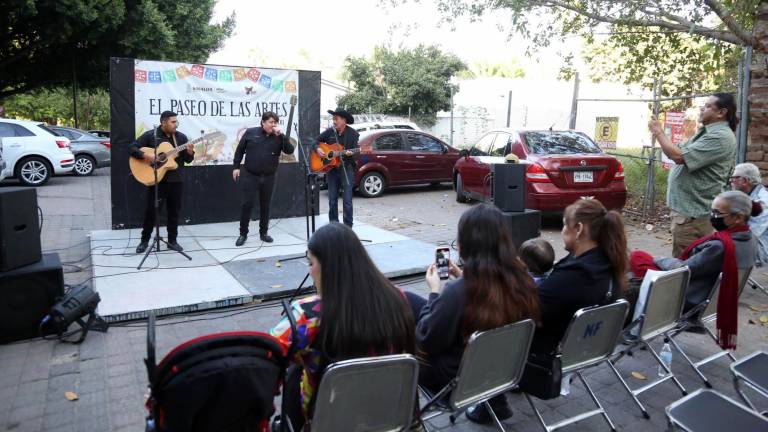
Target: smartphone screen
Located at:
point(442, 260)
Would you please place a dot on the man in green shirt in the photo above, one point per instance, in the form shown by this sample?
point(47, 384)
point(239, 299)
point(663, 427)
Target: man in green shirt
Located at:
point(703, 165)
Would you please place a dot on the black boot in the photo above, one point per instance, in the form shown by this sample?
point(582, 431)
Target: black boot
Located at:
point(241, 240)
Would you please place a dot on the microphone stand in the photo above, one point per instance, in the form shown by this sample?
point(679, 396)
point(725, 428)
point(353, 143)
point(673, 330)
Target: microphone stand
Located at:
point(155, 245)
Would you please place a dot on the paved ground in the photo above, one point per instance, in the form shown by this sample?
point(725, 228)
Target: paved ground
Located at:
point(107, 373)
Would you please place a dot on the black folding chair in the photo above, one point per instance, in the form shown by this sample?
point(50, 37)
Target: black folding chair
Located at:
point(709, 411)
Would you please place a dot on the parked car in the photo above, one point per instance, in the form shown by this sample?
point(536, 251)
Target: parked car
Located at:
point(2, 162)
point(563, 166)
point(99, 133)
point(90, 151)
point(33, 153)
point(395, 157)
point(369, 126)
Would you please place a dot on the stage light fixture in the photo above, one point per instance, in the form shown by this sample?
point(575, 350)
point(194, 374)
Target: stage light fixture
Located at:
point(76, 304)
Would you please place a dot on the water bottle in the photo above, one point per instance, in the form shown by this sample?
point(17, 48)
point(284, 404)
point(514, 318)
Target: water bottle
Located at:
point(565, 384)
point(666, 358)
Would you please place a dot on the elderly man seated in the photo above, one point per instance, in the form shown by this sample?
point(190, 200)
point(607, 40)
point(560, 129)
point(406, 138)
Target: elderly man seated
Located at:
point(730, 248)
point(746, 178)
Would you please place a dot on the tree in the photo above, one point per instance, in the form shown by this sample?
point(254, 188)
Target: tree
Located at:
point(738, 23)
point(44, 43)
point(392, 82)
point(54, 106)
point(512, 69)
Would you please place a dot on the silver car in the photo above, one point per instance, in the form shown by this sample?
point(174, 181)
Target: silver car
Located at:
point(90, 151)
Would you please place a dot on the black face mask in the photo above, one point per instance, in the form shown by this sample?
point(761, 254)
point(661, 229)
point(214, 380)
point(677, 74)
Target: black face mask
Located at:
point(718, 223)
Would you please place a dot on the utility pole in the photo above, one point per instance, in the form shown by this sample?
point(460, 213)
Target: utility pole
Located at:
point(574, 102)
point(509, 108)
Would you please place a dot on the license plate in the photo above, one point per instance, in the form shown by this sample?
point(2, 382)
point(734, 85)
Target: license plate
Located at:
point(582, 177)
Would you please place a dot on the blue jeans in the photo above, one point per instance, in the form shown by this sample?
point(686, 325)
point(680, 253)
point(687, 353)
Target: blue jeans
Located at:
point(336, 181)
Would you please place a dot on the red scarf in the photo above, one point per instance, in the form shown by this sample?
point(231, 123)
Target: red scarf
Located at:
point(728, 298)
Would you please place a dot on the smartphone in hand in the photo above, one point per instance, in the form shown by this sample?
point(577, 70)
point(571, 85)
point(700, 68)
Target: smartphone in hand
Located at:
point(443, 261)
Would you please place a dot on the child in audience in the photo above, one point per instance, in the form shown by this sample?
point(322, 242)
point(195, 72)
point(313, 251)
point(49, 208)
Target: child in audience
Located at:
point(539, 256)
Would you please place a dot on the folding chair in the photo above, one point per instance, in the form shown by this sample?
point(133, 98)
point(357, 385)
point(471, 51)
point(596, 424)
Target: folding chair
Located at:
point(755, 285)
point(367, 394)
point(707, 410)
point(660, 314)
point(753, 370)
point(589, 341)
point(492, 364)
point(702, 314)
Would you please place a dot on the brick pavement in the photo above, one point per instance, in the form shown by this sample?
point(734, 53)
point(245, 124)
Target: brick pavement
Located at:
point(108, 375)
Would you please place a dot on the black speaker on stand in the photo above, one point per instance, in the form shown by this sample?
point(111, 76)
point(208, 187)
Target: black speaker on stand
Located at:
point(19, 228)
point(508, 186)
point(508, 194)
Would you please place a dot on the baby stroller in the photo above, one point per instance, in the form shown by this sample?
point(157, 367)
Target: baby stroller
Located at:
point(218, 382)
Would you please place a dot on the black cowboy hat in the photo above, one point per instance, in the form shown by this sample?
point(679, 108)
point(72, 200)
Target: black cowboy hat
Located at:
point(343, 114)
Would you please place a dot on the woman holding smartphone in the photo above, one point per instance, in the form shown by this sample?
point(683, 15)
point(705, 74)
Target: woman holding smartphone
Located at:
point(493, 290)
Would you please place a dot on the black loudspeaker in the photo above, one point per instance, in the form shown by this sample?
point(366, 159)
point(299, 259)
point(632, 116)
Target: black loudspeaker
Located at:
point(523, 225)
point(508, 186)
point(19, 228)
point(26, 297)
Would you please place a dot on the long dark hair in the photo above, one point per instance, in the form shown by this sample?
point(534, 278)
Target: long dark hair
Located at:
point(606, 228)
point(499, 290)
point(362, 312)
point(727, 101)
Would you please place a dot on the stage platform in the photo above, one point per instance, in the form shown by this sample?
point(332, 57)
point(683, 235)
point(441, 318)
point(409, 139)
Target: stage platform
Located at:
point(221, 274)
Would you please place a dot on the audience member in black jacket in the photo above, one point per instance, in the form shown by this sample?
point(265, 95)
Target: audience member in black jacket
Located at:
point(493, 290)
point(593, 272)
point(170, 187)
point(262, 147)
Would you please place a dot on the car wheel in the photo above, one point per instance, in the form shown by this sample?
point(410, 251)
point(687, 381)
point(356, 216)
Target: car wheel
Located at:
point(33, 171)
point(461, 196)
point(84, 165)
point(372, 185)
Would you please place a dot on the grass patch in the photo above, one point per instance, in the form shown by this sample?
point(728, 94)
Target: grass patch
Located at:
point(636, 176)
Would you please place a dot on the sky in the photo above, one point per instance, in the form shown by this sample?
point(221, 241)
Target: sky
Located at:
point(318, 35)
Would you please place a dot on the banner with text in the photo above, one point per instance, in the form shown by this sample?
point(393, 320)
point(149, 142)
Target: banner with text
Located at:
point(227, 99)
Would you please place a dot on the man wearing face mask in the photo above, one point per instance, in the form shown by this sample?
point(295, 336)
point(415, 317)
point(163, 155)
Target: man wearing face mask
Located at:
point(730, 248)
point(703, 165)
point(261, 147)
point(746, 178)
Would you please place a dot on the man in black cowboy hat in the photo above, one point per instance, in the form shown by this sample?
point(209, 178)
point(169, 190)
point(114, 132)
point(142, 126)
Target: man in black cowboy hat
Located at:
point(344, 176)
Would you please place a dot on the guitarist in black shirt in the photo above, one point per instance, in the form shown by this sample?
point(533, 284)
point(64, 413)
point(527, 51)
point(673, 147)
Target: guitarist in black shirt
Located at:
point(170, 187)
point(262, 147)
point(342, 177)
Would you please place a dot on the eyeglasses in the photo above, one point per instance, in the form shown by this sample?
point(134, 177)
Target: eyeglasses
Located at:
point(734, 178)
point(716, 214)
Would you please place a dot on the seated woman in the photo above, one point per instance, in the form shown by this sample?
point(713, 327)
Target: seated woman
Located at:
point(592, 273)
point(730, 248)
point(493, 290)
point(357, 312)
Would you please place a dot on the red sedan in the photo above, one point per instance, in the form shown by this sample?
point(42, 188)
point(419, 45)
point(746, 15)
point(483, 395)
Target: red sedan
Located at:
point(402, 157)
point(563, 166)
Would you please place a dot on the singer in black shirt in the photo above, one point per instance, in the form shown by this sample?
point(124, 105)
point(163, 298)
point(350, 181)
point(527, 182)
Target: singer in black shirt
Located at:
point(170, 187)
point(261, 147)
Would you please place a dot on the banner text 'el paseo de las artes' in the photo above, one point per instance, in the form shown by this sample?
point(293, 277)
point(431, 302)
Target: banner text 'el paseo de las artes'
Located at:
point(213, 98)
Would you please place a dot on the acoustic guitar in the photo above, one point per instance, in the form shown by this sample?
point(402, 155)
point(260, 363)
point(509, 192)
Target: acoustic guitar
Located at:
point(166, 158)
point(332, 159)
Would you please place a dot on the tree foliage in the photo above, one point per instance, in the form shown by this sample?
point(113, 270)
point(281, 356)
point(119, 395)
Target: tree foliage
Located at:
point(41, 41)
point(54, 106)
point(391, 82)
point(692, 44)
point(511, 69)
